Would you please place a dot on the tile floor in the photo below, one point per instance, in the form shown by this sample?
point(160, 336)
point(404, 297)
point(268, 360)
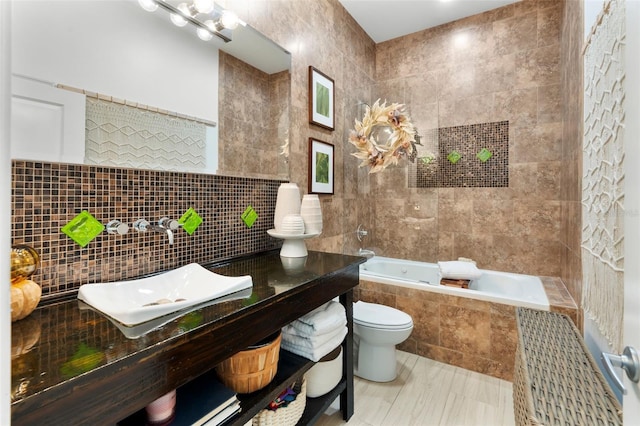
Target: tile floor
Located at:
point(428, 392)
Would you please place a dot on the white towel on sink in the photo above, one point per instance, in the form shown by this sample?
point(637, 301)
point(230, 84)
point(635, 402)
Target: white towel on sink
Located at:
point(325, 319)
point(459, 270)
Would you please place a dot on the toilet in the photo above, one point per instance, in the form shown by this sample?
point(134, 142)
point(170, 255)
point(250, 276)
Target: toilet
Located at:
point(377, 330)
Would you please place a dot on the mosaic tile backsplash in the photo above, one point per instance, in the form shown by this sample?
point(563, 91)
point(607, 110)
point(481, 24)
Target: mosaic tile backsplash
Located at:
point(46, 196)
point(475, 155)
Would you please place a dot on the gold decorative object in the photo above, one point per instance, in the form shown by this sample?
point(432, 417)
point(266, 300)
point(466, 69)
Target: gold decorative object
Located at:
point(24, 262)
point(25, 294)
point(384, 135)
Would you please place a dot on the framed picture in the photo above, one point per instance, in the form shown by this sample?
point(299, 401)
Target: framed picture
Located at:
point(321, 106)
point(320, 167)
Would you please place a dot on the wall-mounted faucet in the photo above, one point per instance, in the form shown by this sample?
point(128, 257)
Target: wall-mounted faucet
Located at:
point(366, 253)
point(117, 227)
point(167, 223)
point(142, 225)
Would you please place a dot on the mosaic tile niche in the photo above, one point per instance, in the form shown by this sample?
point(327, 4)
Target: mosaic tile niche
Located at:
point(475, 155)
point(46, 196)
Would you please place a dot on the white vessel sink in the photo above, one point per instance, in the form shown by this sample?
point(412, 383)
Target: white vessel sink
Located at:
point(178, 291)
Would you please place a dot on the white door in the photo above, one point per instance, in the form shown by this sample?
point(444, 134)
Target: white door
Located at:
point(631, 401)
point(47, 124)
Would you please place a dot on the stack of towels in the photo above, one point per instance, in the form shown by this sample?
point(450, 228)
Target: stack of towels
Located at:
point(459, 270)
point(317, 333)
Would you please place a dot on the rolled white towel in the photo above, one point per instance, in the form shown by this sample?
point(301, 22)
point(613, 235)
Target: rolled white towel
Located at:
point(459, 270)
point(318, 352)
point(324, 319)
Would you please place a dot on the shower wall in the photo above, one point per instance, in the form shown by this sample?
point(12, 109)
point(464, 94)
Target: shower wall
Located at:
point(502, 65)
point(572, 135)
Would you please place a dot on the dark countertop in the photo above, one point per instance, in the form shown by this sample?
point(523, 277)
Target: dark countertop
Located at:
point(60, 349)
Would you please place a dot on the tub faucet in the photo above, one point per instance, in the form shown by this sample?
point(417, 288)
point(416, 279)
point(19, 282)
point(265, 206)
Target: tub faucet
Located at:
point(366, 253)
point(141, 225)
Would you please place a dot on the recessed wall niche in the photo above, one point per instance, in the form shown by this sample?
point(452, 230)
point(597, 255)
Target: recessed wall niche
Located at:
point(475, 155)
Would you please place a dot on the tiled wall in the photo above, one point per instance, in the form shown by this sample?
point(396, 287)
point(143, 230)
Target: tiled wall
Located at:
point(473, 334)
point(46, 196)
point(502, 65)
point(254, 119)
point(469, 333)
point(572, 134)
point(322, 34)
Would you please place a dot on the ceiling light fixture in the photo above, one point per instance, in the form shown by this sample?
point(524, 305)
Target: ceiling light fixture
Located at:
point(178, 19)
point(229, 20)
point(203, 6)
point(148, 5)
point(208, 18)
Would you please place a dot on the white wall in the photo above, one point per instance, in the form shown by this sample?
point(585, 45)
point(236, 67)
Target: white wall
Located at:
point(592, 9)
point(5, 213)
point(116, 48)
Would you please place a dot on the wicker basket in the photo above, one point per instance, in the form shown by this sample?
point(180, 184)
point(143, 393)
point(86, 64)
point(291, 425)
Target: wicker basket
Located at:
point(284, 416)
point(251, 369)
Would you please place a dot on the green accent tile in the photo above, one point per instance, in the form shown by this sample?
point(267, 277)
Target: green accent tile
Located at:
point(83, 228)
point(249, 216)
point(190, 221)
point(484, 155)
point(454, 157)
point(427, 160)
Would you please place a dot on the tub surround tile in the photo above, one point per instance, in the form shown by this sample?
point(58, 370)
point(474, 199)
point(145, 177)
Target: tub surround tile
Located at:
point(425, 314)
point(377, 297)
point(550, 104)
point(539, 143)
point(514, 74)
point(538, 67)
point(514, 34)
point(518, 106)
point(560, 298)
point(549, 25)
point(473, 334)
point(490, 210)
point(467, 330)
point(536, 218)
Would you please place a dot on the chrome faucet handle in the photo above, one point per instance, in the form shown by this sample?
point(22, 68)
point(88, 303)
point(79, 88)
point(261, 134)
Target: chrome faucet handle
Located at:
point(117, 227)
point(361, 233)
point(140, 225)
point(167, 223)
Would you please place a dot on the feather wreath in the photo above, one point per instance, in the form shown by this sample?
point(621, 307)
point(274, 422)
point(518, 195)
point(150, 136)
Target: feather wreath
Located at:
point(384, 120)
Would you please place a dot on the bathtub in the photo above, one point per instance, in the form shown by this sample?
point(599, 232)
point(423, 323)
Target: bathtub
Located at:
point(492, 286)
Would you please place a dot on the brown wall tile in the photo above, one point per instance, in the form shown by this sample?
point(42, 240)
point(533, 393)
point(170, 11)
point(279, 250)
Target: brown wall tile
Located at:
point(514, 74)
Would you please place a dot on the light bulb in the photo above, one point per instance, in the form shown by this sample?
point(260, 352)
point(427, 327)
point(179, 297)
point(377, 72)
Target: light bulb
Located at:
point(203, 6)
point(204, 35)
point(229, 20)
point(148, 5)
point(179, 20)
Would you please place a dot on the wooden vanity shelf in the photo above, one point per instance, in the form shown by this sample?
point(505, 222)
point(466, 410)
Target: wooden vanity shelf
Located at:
point(133, 373)
point(290, 368)
point(556, 380)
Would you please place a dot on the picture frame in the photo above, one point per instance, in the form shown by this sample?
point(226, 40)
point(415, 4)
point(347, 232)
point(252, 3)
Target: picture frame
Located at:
point(321, 167)
point(321, 99)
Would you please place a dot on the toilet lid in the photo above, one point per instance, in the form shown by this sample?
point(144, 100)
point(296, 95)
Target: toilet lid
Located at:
point(380, 316)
